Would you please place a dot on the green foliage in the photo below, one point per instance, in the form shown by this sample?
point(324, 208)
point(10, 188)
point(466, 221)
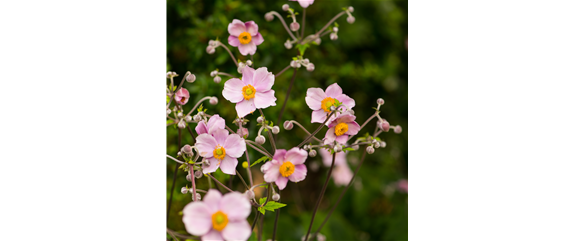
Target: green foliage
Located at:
point(262, 159)
point(270, 206)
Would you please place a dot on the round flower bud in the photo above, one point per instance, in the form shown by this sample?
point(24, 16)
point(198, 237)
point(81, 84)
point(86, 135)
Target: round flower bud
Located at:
point(197, 196)
point(288, 45)
point(269, 17)
point(351, 9)
point(297, 64)
point(260, 140)
point(188, 118)
point(310, 67)
point(294, 26)
point(333, 36)
point(180, 114)
point(306, 147)
point(338, 148)
point(181, 124)
point(245, 164)
point(198, 174)
point(187, 150)
point(275, 130)
point(383, 144)
point(197, 118)
point(179, 153)
point(355, 147)
point(380, 101)
point(293, 63)
point(288, 125)
point(217, 79)
point(190, 78)
point(350, 19)
point(210, 50)
point(312, 153)
point(335, 29)
point(213, 100)
point(398, 129)
point(213, 73)
point(385, 126)
point(188, 177)
point(276, 197)
point(250, 194)
point(168, 111)
point(317, 40)
point(260, 119)
point(211, 43)
point(306, 61)
point(285, 7)
point(206, 162)
point(249, 62)
point(184, 190)
point(377, 144)
point(370, 149)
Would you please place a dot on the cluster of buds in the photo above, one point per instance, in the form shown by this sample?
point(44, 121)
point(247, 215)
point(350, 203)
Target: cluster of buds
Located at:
point(297, 63)
point(294, 26)
point(260, 139)
point(216, 77)
point(212, 45)
point(199, 116)
point(241, 131)
point(289, 43)
point(312, 152)
point(171, 74)
point(375, 144)
point(242, 65)
point(333, 35)
point(350, 18)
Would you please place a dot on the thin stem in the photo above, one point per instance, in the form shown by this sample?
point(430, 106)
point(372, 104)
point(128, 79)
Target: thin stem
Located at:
point(330, 22)
point(281, 72)
point(320, 197)
point(182, 80)
point(174, 177)
point(192, 182)
point(197, 105)
point(226, 74)
point(367, 121)
point(342, 193)
point(276, 220)
point(309, 133)
point(229, 51)
point(242, 180)
point(191, 132)
point(210, 176)
point(271, 139)
point(249, 143)
point(287, 97)
point(303, 24)
point(178, 161)
point(255, 220)
point(249, 168)
point(181, 235)
point(284, 24)
point(321, 126)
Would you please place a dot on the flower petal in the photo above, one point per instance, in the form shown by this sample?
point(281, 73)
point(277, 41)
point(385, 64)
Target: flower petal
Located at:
point(296, 156)
point(279, 155)
point(329, 136)
point(236, 27)
point(215, 122)
point(265, 99)
point(220, 136)
point(342, 174)
point(247, 75)
point(234, 146)
point(233, 41)
point(318, 116)
point(233, 90)
point(205, 145)
point(354, 128)
point(270, 171)
point(228, 165)
point(334, 90)
point(342, 139)
point(245, 107)
point(246, 49)
point(281, 182)
point(212, 236)
point(201, 128)
point(314, 98)
point(257, 39)
point(197, 218)
point(263, 80)
point(213, 165)
point(345, 99)
point(212, 199)
point(236, 206)
point(299, 174)
point(237, 230)
point(252, 28)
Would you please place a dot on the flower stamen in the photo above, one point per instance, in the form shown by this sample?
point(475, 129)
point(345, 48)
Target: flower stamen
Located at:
point(286, 169)
point(244, 38)
point(248, 92)
point(219, 152)
point(327, 103)
point(219, 220)
point(341, 128)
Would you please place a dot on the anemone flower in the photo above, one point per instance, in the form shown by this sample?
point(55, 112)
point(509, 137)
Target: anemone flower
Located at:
point(221, 150)
point(304, 3)
point(244, 36)
point(218, 217)
point(321, 101)
point(342, 174)
point(214, 123)
point(182, 96)
point(252, 91)
point(341, 128)
point(286, 165)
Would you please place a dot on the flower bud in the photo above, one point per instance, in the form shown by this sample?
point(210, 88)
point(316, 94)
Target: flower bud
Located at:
point(210, 50)
point(184, 190)
point(370, 149)
point(197, 118)
point(179, 153)
point(377, 144)
point(249, 62)
point(312, 153)
point(335, 29)
point(297, 64)
point(355, 147)
point(288, 125)
point(293, 63)
point(213, 73)
point(260, 119)
point(168, 111)
point(179, 114)
point(243, 132)
point(306, 147)
point(383, 144)
point(197, 196)
point(306, 61)
point(188, 118)
point(285, 7)
point(188, 177)
point(250, 194)
point(294, 26)
point(310, 67)
point(198, 174)
point(380, 101)
point(190, 78)
point(275, 130)
point(260, 140)
point(385, 126)
point(398, 129)
point(276, 197)
point(351, 19)
point(213, 100)
point(211, 43)
point(217, 79)
point(333, 36)
point(187, 150)
point(288, 45)
point(351, 9)
point(317, 40)
point(338, 148)
point(269, 17)
point(181, 124)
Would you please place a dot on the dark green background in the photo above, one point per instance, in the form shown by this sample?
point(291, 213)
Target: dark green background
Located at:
point(369, 61)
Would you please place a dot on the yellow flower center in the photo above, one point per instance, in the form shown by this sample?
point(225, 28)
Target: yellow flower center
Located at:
point(286, 169)
point(219, 152)
point(327, 103)
point(248, 92)
point(341, 128)
point(219, 220)
point(244, 38)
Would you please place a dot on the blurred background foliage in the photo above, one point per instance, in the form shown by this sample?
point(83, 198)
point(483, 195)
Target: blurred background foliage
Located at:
point(369, 61)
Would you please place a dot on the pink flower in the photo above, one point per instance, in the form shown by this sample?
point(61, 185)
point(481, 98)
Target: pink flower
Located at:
point(320, 102)
point(244, 36)
point(342, 174)
point(403, 185)
point(218, 217)
point(214, 123)
point(252, 91)
point(341, 128)
point(182, 96)
point(220, 149)
point(286, 165)
point(304, 3)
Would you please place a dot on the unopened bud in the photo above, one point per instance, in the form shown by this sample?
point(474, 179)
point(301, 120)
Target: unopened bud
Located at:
point(184, 190)
point(294, 64)
point(377, 144)
point(213, 73)
point(249, 62)
point(275, 130)
point(197, 118)
point(306, 61)
point(288, 125)
point(243, 132)
point(333, 36)
point(294, 26)
point(168, 111)
point(350, 19)
point(250, 194)
point(285, 7)
point(338, 148)
point(188, 177)
point(213, 100)
point(288, 45)
point(211, 43)
point(398, 129)
point(260, 140)
point(310, 67)
point(370, 149)
point(210, 50)
point(297, 64)
point(187, 150)
point(351, 9)
point(179, 153)
point(197, 196)
point(179, 114)
point(217, 79)
point(190, 78)
point(383, 144)
point(181, 124)
point(335, 29)
point(318, 40)
point(269, 17)
point(198, 174)
point(306, 147)
point(312, 153)
point(385, 126)
point(276, 197)
point(380, 101)
point(260, 119)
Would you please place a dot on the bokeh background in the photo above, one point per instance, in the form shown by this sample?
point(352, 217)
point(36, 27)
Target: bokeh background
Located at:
point(369, 61)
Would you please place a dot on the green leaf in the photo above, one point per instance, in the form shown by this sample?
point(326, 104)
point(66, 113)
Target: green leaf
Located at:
point(261, 210)
point(348, 149)
point(272, 205)
point(262, 200)
point(262, 159)
point(336, 24)
point(200, 108)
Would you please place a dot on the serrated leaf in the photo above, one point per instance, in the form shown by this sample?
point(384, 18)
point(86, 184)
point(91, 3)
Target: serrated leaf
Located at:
point(271, 206)
point(261, 210)
point(262, 159)
point(262, 200)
